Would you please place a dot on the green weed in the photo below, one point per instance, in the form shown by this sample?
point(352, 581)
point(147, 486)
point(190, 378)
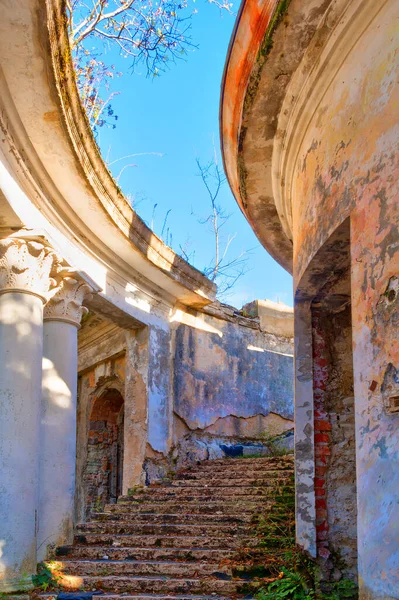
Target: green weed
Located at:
point(46, 577)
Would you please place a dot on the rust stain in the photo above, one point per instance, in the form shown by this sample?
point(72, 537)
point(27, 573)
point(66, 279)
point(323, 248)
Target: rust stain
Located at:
point(253, 23)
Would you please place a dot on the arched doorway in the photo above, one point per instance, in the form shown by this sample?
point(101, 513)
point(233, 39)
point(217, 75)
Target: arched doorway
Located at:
point(104, 466)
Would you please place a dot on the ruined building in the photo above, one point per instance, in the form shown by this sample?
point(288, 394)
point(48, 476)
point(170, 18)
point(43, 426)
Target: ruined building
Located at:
point(117, 364)
point(309, 125)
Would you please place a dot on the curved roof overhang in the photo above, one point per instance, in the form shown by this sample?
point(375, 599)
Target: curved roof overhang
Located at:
point(52, 151)
point(268, 44)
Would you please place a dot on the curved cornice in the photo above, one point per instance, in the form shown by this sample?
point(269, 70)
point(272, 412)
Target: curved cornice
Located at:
point(271, 89)
point(340, 30)
point(75, 191)
point(267, 46)
point(255, 24)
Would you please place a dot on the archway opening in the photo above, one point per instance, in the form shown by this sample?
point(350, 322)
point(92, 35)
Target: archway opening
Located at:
point(105, 450)
point(324, 359)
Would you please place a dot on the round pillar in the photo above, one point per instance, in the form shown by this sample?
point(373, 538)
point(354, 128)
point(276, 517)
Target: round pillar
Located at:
point(62, 316)
point(24, 280)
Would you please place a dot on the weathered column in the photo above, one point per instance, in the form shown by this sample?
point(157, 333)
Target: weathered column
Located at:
point(62, 315)
point(25, 268)
point(304, 428)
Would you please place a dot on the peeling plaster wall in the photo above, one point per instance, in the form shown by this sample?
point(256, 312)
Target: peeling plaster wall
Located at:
point(160, 389)
point(189, 390)
point(111, 357)
point(348, 166)
point(93, 383)
point(232, 380)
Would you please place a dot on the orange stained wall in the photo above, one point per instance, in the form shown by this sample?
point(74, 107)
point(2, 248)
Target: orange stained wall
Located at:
point(348, 166)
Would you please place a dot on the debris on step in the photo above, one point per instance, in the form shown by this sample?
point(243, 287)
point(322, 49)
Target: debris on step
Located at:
point(217, 531)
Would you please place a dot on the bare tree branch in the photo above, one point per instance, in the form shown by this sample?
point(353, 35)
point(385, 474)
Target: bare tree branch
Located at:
point(223, 271)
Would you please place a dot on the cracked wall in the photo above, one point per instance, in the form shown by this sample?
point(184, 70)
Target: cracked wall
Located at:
point(233, 380)
point(348, 168)
point(190, 392)
point(110, 359)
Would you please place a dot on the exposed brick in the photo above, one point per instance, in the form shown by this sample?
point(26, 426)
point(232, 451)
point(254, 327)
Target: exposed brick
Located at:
point(321, 535)
point(322, 450)
point(320, 471)
point(324, 552)
point(322, 425)
point(321, 515)
point(321, 437)
point(319, 482)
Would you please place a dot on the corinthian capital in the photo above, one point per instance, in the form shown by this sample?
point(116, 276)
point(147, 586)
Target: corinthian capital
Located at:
point(65, 301)
point(25, 266)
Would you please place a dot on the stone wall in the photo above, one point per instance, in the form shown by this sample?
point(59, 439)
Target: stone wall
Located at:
point(232, 387)
point(104, 466)
point(97, 435)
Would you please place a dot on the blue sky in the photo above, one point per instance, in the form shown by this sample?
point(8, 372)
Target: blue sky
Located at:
point(176, 115)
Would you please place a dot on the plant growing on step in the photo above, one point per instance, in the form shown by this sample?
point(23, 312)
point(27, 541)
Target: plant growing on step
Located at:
point(137, 489)
point(295, 586)
point(271, 441)
point(341, 590)
point(97, 506)
point(47, 576)
point(291, 586)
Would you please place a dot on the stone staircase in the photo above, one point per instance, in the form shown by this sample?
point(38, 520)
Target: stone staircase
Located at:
point(182, 538)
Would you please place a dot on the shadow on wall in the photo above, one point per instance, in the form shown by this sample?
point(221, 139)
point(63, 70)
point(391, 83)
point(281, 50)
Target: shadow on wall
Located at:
point(221, 376)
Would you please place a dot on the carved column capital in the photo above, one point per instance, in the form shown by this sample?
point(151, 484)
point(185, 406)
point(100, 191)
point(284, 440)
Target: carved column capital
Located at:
point(65, 301)
point(26, 266)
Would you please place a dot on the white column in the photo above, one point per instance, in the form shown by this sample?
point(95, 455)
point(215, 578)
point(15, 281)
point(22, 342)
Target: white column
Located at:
point(62, 316)
point(24, 281)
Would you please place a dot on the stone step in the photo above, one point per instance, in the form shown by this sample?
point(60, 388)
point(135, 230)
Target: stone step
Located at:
point(211, 493)
point(120, 553)
point(159, 541)
point(155, 584)
point(174, 540)
point(213, 596)
point(267, 462)
point(143, 517)
point(246, 482)
point(186, 506)
point(115, 527)
point(210, 476)
point(106, 568)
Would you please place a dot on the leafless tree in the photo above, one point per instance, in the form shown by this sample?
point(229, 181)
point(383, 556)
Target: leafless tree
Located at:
point(224, 269)
point(150, 32)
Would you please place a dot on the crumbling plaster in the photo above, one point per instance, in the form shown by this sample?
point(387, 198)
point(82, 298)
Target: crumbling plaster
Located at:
point(55, 188)
point(141, 359)
point(238, 372)
point(348, 165)
point(190, 385)
point(320, 149)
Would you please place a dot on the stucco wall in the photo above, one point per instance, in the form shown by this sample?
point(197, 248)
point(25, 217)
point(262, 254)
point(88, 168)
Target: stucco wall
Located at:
point(349, 152)
point(349, 167)
point(190, 387)
point(231, 378)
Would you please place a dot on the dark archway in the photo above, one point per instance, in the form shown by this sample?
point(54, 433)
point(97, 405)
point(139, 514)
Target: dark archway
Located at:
point(325, 358)
point(104, 466)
